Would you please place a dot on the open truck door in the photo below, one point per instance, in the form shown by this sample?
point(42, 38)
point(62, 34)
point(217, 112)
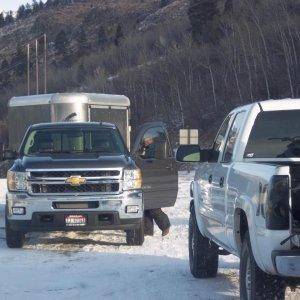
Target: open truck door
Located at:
point(154, 154)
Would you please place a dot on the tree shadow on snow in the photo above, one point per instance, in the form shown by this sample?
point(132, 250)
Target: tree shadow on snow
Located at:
point(79, 242)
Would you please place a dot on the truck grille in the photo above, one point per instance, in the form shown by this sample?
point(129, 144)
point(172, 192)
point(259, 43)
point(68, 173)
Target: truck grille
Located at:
point(66, 174)
point(65, 188)
point(55, 182)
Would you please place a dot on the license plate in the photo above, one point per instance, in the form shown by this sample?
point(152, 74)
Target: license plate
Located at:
point(75, 220)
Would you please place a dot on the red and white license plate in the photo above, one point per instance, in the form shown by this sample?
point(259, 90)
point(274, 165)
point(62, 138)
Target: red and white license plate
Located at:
point(75, 220)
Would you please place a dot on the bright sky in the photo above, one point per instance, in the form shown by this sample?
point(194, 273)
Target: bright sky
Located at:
point(6, 5)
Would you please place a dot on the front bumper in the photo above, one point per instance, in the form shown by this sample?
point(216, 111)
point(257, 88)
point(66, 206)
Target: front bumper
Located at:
point(42, 213)
point(287, 262)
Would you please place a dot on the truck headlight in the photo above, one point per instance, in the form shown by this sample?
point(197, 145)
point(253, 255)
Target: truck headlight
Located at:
point(16, 181)
point(132, 179)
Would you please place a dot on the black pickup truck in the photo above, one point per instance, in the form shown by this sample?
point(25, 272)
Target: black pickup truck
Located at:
point(80, 176)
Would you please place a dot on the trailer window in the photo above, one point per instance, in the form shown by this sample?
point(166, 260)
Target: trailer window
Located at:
point(75, 141)
point(275, 134)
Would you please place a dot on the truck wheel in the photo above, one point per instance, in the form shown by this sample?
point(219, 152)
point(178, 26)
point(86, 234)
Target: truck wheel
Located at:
point(254, 283)
point(135, 237)
point(203, 253)
point(14, 239)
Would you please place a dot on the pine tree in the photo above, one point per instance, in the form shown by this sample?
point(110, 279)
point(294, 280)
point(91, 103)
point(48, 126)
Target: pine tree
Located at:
point(102, 37)
point(2, 20)
point(119, 35)
point(81, 74)
point(4, 75)
point(164, 3)
point(61, 43)
point(18, 63)
point(82, 43)
point(9, 18)
point(35, 6)
point(204, 18)
point(21, 12)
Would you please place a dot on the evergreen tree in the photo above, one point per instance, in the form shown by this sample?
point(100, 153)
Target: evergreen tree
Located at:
point(102, 37)
point(119, 35)
point(21, 12)
point(2, 20)
point(4, 75)
point(81, 74)
point(9, 18)
point(35, 6)
point(61, 43)
point(19, 61)
point(82, 43)
point(204, 18)
point(164, 3)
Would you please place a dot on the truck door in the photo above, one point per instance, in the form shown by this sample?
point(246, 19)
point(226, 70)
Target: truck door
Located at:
point(219, 183)
point(209, 182)
point(154, 155)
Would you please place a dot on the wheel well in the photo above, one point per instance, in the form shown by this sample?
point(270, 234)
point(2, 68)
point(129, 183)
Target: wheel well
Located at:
point(240, 227)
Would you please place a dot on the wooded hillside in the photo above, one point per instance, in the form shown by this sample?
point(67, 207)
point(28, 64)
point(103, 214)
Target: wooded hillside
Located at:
point(187, 62)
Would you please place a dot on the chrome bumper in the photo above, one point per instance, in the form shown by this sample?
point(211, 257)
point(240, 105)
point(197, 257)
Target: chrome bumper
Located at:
point(44, 204)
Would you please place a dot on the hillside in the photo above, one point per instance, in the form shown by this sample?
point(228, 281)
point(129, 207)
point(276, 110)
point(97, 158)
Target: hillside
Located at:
point(186, 62)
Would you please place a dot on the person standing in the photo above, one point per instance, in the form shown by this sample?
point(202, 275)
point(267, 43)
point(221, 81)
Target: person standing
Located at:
point(156, 215)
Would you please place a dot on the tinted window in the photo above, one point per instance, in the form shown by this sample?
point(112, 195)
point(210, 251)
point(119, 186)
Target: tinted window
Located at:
point(275, 134)
point(102, 141)
point(154, 143)
point(232, 137)
point(221, 134)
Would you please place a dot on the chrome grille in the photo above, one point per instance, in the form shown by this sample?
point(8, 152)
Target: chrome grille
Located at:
point(65, 188)
point(54, 182)
point(65, 174)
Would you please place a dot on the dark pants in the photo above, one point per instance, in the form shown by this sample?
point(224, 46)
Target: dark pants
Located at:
point(160, 218)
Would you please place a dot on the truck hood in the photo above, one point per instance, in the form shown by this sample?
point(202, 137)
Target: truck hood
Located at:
point(79, 162)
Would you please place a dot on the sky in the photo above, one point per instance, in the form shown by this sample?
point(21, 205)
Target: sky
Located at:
point(6, 5)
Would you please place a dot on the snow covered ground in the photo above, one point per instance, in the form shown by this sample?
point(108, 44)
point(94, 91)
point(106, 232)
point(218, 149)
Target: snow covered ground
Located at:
point(100, 265)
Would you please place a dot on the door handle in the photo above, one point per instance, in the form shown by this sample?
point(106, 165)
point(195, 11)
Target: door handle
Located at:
point(168, 167)
point(222, 182)
point(210, 179)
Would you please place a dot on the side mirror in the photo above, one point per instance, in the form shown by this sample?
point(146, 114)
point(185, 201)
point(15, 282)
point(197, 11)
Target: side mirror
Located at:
point(188, 153)
point(9, 155)
point(193, 154)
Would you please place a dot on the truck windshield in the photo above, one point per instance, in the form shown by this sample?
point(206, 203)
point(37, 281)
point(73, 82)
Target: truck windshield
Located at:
point(275, 134)
point(74, 141)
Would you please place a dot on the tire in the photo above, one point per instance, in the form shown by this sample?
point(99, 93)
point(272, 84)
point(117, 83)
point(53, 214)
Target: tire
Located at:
point(14, 239)
point(203, 253)
point(254, 283)
point(135, 237)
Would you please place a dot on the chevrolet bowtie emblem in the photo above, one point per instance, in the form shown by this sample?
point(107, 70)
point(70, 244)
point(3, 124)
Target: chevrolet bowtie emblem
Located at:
point(76, 180)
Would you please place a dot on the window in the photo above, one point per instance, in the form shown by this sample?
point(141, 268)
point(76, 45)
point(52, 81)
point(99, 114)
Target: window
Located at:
point(154, 144)
point(275, 134)
point(232, 137)
point(221, 134)
point(75, 141)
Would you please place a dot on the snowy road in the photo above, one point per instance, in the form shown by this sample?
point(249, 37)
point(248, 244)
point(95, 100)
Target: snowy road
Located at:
point(101, 265)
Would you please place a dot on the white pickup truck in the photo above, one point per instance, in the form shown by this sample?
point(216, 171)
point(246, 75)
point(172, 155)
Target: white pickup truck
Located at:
point(246, 198)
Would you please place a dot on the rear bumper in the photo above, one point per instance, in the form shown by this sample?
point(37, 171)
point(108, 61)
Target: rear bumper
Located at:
point(287, 262)
point(55, 221)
